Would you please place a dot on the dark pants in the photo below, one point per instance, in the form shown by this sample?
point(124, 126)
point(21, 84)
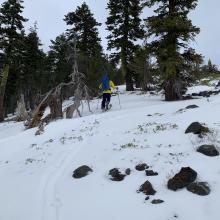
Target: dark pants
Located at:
point(106, 98)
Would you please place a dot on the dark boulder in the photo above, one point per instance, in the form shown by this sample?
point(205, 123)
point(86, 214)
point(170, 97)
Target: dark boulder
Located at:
point(157, 201)
point(141, 167)
point(128, 171)
point(182, 179)
point(199, 188)
point(192, 106)
point(147, 198)
point(196, 128)
point(81, 172)
point(208, 150)
point(147, 189)
point(116, 175)
point(151, 173)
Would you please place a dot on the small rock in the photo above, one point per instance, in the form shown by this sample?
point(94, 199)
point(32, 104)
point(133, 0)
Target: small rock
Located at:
point(192, 106)
point(147, 198)
point(182, 179)
point(196, 128)
point(157, 201)
point(128, 171)
point(116, 175)
point(199, 188)
point(81, 172)
point(151, 173)
point(147, 188)
point(208, 150)
point(141, 167)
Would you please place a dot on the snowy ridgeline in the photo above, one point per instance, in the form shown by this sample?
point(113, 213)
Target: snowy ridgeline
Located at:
point(36, 171)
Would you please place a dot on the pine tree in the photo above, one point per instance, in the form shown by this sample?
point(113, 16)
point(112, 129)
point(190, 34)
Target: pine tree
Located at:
point(85, 27)
point(60, 68)
point(11, 27)
point(124, 25)
point(31, 82)
point(172, 30)
point(11, 42)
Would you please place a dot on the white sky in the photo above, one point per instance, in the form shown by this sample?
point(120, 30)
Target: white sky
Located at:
point(49, 15)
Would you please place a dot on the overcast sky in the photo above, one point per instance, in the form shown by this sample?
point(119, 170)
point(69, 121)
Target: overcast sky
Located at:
point(49, 15)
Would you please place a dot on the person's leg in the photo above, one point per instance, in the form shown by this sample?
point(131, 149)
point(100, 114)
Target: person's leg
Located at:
point(103, 100)
point(108, 99)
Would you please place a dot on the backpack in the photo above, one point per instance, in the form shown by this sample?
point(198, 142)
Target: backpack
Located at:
point(105, 83)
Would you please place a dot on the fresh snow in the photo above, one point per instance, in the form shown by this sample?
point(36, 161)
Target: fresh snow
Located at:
point(36, 171)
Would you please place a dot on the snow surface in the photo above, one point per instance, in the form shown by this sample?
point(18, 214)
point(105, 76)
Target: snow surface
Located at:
point(36, 171)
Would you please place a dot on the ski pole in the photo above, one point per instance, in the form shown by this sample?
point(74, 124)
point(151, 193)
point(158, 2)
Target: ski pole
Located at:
point(97, 104)
point(119, 100)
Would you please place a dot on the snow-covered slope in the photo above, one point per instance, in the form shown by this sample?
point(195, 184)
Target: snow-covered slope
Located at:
point(36, 171)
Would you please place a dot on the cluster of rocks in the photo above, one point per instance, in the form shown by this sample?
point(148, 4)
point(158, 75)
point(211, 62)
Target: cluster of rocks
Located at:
point(206, 93)
point(187, 178)
point(206, 149)
point(147, 187)
point(116, 175)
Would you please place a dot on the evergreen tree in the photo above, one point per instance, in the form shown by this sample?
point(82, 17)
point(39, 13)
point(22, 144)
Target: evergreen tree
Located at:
point(209, 69)
point(172, 30)
point(11, 43)
point(142, 66)
point(124, 25)
point(11, 28)
point(58, 60)
point(85, 27)
point(32, 81)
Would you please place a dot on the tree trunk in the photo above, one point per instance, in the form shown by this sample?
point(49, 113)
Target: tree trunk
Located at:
point(3, 83)
point(129, 82)
point(55, 105)
point(22, 114)
point(173, 89)
point(1, 108)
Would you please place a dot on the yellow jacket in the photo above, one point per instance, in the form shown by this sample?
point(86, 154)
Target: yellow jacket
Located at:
point(111, 85)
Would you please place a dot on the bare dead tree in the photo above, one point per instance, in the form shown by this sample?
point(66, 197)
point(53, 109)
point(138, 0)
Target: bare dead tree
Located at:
point(81, 92)
point(22, 114)
point(53, 99)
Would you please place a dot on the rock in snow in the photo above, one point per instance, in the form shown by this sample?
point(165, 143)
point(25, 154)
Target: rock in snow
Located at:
point(192, 106)
point(208, 150)
point(147, 188)
point(81, 172)
point(182, 179)
point(116, 175)
point(141, 167)
point(151, 173)
point(199, 188)
point(157, 201)
point(196, 128)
